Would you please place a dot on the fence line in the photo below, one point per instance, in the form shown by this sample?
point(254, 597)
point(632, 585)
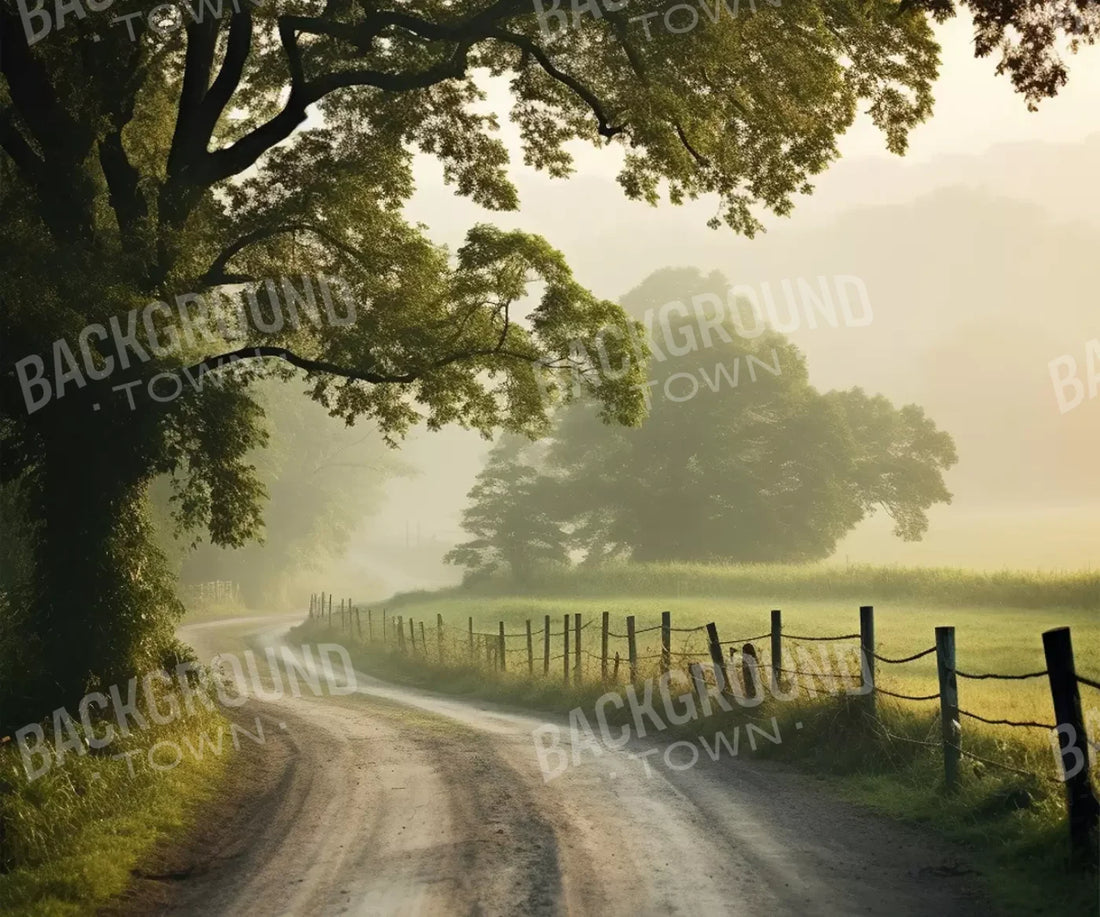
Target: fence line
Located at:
point(489, 649)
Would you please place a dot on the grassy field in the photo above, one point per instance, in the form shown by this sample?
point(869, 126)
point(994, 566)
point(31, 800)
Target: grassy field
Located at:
point(1006, 640)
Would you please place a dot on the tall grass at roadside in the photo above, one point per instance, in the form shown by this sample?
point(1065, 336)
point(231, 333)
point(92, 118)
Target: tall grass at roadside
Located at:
point(70, 839)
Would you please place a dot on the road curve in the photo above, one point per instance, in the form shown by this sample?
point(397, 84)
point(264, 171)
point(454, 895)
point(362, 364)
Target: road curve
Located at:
point(395, 801)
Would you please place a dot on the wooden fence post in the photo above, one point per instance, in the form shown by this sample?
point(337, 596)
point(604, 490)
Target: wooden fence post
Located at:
point(400, 634)
point(565, 656)
point(750, 670)
point(501, 645)
point(412, 637)
point(949, 705)
point(546, 645)
point(311, 606)
point(358, 623)
point(632, 649)
point(439, 635)
point(604, 624)
point(867, 652)
point(341, 615)
point(530, 650)
point(777, 650)
point(385, 636)
point(615, 673)
point(472, 657)
point(330, 609)
point(423, 642)
point(1081, 804)
point(577, 649)
point(666, 640)
point(721, 674)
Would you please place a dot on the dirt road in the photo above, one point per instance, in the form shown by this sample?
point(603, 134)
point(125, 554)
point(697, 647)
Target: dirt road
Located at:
point(394, 801)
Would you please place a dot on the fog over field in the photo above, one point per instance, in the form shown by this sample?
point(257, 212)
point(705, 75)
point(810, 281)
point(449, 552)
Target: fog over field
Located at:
point(976, 282)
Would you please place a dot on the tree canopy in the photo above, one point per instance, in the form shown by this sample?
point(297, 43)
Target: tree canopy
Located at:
point(149, 166)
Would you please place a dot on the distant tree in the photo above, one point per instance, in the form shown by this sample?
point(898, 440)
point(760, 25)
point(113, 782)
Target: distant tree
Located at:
point(508, 516)
point(741, 458)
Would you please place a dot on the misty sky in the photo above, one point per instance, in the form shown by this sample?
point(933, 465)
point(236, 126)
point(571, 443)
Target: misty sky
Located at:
point(977, 249)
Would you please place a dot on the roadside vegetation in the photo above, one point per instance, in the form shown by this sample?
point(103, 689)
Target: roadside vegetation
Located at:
point(71, 840)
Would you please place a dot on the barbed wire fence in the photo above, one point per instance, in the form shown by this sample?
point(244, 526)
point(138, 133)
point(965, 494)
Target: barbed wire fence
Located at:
point(743, 675)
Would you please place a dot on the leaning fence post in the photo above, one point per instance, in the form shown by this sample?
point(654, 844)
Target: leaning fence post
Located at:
point(603, 645)
point(412, 637)
point(949, 705)
point(750, 670)
point(439, 635)
point(501, 645)
point(1081, 804)
point(867, 653)
point(666, 641)
point(423, 642)
point(546, 645)
point(400, 633)
point(473, 659)
point(632, 649)
point(530, 650)
point(359, 623)
point(721, 675)
point(577, 649)
point(777, 650)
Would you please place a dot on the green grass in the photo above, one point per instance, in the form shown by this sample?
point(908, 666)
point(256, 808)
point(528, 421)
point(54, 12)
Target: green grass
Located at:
point(70, 839)
point(1014, 824)
point(860, 583)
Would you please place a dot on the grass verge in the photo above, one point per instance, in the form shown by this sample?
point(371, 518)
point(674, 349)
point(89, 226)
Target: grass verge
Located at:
point(70, 839)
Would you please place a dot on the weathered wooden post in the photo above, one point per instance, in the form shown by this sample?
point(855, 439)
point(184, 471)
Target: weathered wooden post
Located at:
point(501, 645)
point(632, 648)
point(472, 657)
point(565, 654)
point(330, 609)
point(604, 625)
point(777, 650)
point(311, 606)
point(721, 674)
point(666, 640)
point(546, 645)
point(412, 637)
point(400, 633)
point(341, 615)
point(423, 642)
point(949, 706)
point(867, 654)
point(530, 650)
point(750, 670)
point(577, 649)
point(1073, 742)
point(359, 623)
point(615, 673)
point(439, 634)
